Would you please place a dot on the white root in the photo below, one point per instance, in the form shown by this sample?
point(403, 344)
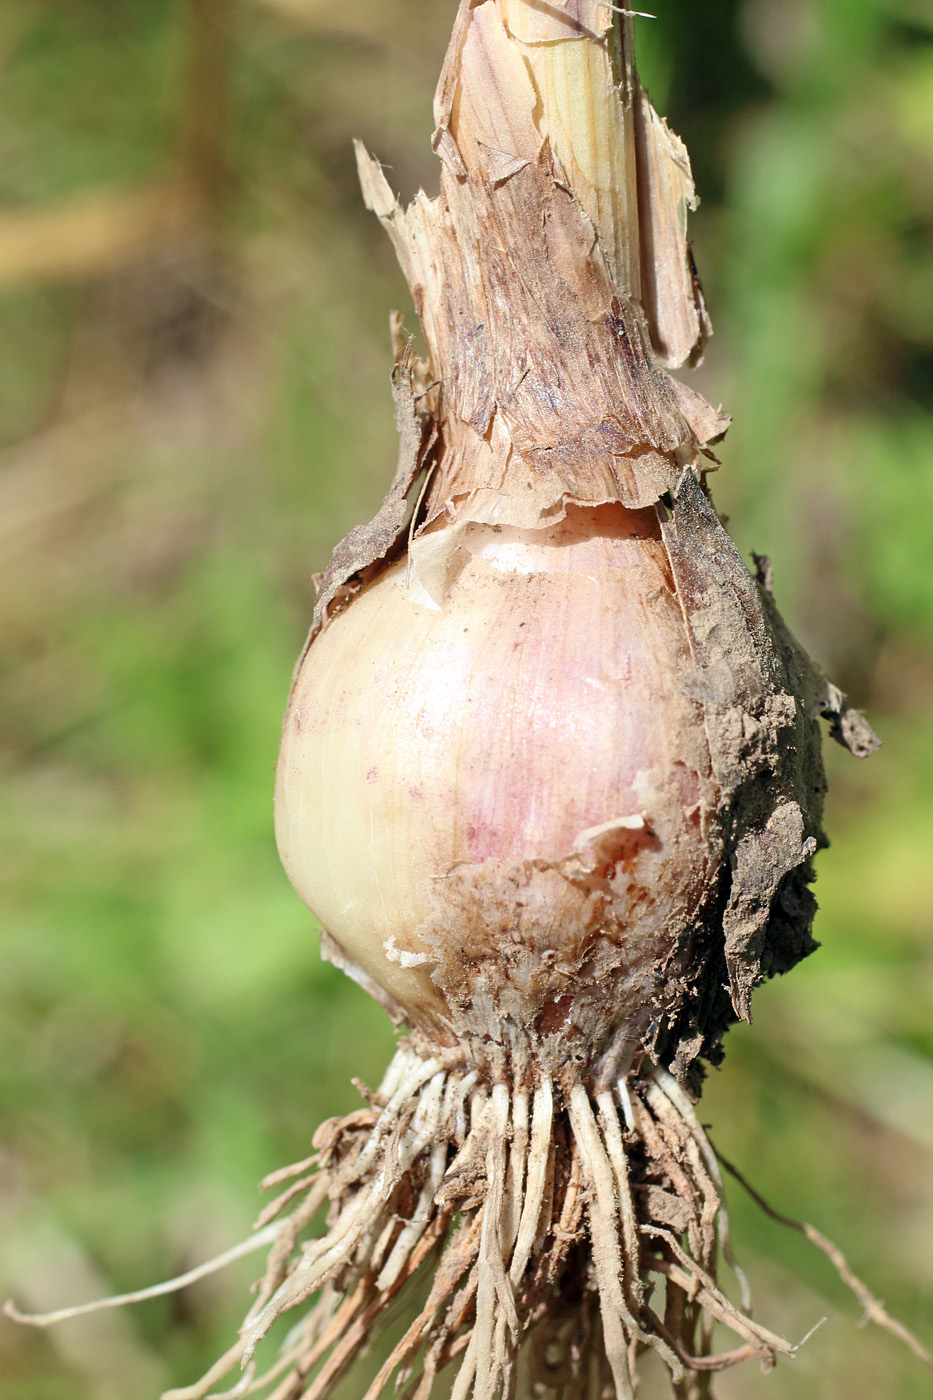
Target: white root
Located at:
point(256, 1242)
point(535, 1180)
point(419, 1222)
point(631, 1277)
point(324, 1257)
point(418, 1073)
point(463, 1386)
point(502, 1361)
point(536, 1206)
point(669, 1086)
point(494, 1298)
point(604, 1240)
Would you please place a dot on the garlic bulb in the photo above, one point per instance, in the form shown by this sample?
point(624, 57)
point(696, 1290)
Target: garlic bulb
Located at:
point(550, 773)
point(490, 778)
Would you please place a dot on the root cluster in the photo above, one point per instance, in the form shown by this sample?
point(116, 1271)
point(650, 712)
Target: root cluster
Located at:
point(559, 1233)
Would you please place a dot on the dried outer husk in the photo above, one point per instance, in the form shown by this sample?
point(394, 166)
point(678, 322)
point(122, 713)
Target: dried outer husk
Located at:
point(555, 288)
point(554, 285)
point(762, 699)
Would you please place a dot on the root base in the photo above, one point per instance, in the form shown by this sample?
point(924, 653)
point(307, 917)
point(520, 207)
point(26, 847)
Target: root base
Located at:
point(550, 1223)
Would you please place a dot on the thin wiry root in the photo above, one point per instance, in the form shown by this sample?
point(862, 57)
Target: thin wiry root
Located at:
point(875, 1310)
point(543, 1221)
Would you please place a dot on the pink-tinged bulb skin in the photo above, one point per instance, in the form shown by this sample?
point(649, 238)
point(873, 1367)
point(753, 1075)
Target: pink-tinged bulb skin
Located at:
point(491, 784)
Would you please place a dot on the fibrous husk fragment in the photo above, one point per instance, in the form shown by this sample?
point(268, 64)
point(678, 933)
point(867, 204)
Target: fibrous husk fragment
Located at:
point(369, 544)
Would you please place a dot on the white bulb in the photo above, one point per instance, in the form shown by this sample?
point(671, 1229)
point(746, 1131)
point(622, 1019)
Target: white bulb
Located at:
point(491, 789)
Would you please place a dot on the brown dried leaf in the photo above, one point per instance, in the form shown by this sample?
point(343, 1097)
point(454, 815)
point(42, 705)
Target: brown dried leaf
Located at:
point(368, 544)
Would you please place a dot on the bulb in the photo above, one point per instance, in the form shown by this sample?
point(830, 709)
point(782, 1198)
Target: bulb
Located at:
point(493, 790)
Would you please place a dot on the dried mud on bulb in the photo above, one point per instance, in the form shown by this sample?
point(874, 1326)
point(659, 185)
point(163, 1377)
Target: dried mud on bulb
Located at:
point(532, 1168)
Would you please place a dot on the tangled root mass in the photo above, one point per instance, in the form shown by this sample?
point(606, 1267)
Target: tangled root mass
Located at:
point(563, 1233)
point(550, 1237)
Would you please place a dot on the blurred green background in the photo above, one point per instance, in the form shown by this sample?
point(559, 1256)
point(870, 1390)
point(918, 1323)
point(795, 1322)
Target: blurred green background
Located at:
point(194, 407)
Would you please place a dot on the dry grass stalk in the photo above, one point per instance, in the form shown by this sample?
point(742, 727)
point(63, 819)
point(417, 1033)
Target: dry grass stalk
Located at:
point(99, 231)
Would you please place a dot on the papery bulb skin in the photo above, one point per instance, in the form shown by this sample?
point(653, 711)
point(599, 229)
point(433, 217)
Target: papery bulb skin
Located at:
point(493, 789)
